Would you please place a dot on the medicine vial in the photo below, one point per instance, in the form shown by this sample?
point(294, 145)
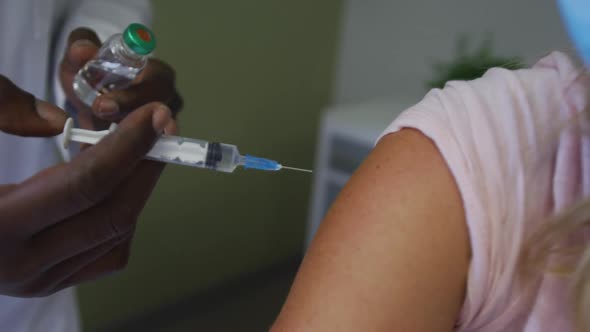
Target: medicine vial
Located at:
point(117, 63)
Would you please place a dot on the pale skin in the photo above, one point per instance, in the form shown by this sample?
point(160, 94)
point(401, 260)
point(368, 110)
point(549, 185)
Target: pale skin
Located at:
point(393, 252)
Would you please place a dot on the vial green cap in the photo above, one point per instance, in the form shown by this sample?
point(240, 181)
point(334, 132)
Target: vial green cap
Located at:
point(139, 38)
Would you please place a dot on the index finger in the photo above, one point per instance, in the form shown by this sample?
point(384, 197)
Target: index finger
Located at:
point(67, 189)
point(83, 43)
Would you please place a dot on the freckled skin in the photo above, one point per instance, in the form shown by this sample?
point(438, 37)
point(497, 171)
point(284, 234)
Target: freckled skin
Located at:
point(392, 253)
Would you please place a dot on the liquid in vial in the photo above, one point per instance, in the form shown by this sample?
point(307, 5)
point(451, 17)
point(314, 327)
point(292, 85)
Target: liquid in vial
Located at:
point(118, 62)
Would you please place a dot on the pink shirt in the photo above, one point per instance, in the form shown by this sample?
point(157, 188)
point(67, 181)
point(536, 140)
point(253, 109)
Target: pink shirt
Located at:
point(506, 139)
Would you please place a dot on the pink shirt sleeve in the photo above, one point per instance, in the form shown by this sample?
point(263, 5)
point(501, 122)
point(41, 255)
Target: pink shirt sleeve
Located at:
point(498, 135)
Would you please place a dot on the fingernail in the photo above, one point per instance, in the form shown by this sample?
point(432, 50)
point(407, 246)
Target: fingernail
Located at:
point(160, 118)
point(82, 43)
point(171, 128)
point(45, 111)
point(108, 107)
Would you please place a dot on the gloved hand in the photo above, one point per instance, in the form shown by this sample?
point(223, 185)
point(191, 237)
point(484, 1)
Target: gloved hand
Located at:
point(75, 221)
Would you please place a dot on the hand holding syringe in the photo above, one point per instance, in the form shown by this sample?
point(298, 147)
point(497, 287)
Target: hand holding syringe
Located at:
point(185, 151)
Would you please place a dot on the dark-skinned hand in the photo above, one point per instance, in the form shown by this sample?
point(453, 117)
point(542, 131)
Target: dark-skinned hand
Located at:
point(156, 82)
point(74, 222)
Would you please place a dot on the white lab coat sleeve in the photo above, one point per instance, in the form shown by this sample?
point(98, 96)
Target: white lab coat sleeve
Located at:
point(105, 17)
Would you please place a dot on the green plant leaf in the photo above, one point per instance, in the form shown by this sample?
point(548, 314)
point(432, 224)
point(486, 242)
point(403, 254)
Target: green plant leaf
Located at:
point(470, 66)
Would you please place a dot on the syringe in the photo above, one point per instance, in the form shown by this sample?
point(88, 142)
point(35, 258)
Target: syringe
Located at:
point(184, 151)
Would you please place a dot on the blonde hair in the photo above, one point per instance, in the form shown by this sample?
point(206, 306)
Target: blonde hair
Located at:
point(571, 261)
point(547, 250)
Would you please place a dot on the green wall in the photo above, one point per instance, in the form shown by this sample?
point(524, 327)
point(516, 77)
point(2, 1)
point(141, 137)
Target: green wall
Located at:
point(254, 73)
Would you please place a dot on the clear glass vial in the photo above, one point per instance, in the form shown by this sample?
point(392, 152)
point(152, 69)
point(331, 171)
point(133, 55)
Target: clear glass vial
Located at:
point(116, 64)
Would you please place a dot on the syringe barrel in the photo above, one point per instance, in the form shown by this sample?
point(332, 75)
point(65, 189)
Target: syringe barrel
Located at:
point(230, 158)
point(196, 153)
